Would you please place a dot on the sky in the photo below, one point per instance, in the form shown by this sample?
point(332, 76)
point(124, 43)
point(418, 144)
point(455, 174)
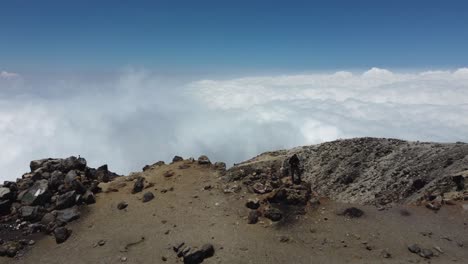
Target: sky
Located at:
point(232, 35)
point(129, 83)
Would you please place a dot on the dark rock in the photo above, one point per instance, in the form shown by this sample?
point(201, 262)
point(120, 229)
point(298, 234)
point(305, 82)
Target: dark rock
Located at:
point(103, 174)
point(253, 204)
point(159, 163)
point(273, 214)
point(10, 185)
point(36, 164)
point(199, 255)
point(6, 194)
point(68, 215)
point(177, 159)
point(61, 234)
point(426, 253)
point(352, 212)
point(56, 179)
point(78, 186)
point(139, 185)
point(293, 195)
point(94, 187)
point(66, 200)
point(414, 248)
point(146, 167)
point(10, 249)
point(88, 197)
point(30, 213)
point(204, 160)
point(48, 218)
point(220, 166)
point(122, 205)
point(5, 206)
point(38, 194)
point(253, 217)
point(70, 177)
point(148, 196)
point(73, 163)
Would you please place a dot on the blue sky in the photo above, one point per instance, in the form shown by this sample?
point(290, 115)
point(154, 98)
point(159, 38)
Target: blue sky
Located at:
point(232, 35)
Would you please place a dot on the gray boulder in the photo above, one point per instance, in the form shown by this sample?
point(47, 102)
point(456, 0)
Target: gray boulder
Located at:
point(38, 194)
point(68, 215)
point(66, 200)
point(204, 160)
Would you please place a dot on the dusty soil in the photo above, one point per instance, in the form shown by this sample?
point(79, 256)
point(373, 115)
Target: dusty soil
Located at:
point(190, 206)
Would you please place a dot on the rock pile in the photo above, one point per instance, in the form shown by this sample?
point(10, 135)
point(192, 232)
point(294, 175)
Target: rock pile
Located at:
point(47, 198)
point(274, 192)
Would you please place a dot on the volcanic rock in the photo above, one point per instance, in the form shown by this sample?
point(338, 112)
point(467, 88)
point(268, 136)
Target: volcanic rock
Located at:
point(177, 159)
point(122, 205)
point(352, 212)
point(6, 194)
point(30, 213)
point(199, 255)
point(38, 194)
point(10, 249)
point(253, 204)
point(5, 206)
point(88, 197)
point(66, 200)
point(253, 217)
point(61, 234)
point(273, 214)
point(148, 196)
point(204, 160)
point(138, 185)
point(414, 248)
point(68, 215)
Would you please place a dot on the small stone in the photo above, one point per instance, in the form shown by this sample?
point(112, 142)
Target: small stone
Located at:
point(414, 248)
point(284, 239)
point(352, 212)
point(253, 217)
point(273, 214)
point(61, 234)
point(163, 258)
point(148, 196)
point(204, 160)
point(101, 242)
point(426, 253)
point(123, 259)
point(138, 185)
point(122, 205)
point(384, 253)
point(253, 204)
point(177, 159)
point(439, 249)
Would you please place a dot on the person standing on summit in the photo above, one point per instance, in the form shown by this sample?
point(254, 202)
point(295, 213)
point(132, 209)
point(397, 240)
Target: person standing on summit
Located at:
point(294, 168)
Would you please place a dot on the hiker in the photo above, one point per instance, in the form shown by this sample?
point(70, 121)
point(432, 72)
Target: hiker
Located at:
point(294, 168)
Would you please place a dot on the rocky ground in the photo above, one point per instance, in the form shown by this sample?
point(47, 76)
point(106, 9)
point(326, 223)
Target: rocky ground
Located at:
point(362, 201)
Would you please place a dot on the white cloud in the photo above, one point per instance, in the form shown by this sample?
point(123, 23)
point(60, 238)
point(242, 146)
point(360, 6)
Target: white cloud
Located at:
point(138, 118)
point(8, 75)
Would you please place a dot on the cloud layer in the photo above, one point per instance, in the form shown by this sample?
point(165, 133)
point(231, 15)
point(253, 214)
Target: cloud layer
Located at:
point(138, 117)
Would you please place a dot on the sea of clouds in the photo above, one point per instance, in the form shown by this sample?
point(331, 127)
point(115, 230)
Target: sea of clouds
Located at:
point(138, 117)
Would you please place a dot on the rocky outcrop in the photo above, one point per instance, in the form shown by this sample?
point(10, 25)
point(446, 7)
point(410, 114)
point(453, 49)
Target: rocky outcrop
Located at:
point(49, 197)
point(366, 170)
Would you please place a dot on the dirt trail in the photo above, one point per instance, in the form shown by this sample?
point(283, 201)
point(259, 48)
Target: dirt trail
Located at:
point(190, 206)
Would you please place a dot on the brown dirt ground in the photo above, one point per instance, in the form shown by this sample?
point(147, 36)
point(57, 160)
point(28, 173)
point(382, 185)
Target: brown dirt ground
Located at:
point(197, 216)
